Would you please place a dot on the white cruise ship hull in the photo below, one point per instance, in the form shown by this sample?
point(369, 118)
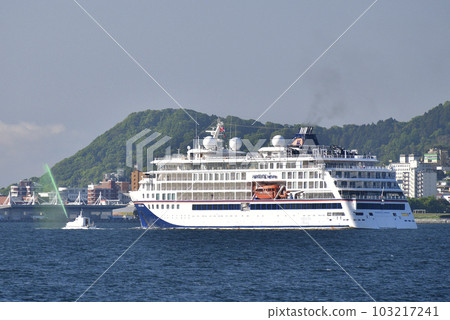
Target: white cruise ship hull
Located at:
point(274, 215)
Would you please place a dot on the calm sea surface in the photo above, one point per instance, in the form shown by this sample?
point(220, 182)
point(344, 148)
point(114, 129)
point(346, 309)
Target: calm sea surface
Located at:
point(40, 262)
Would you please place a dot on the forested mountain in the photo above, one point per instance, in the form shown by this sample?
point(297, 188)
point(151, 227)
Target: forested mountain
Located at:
point(387, 139)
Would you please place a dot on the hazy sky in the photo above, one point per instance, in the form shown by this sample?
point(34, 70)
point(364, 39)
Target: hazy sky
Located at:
point(64, 82)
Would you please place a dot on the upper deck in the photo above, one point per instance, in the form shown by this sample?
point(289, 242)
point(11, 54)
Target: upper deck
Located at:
point(268, 158)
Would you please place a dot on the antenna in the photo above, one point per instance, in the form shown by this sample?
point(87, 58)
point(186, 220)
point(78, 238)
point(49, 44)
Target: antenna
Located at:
point(196, 127)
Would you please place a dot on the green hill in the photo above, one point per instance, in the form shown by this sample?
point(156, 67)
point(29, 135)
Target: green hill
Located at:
point(387, 139)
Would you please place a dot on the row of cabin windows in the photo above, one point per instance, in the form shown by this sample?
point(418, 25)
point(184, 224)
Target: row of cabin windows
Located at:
point(165, 206)
point(216, 207)
point(302, 175)
point(219, 176)
point(306, 185)
point(298, 206)
point(381, 206)
point(364, 175)
point(268, 206)
point(162, 196)
point(289, 165)
point(233, 176)
point(238, 165)
point(202, 176)
point(290, 185)
point(366, 184)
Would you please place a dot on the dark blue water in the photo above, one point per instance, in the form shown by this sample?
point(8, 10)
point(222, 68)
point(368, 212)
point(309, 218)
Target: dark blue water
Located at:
point(38, 263)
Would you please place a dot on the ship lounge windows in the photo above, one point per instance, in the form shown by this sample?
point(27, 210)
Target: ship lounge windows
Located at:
point(216, 207)
point(379, 206)
point(294, 206)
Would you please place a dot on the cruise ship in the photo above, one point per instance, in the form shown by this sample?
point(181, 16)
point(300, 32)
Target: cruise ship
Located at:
point(295, 183)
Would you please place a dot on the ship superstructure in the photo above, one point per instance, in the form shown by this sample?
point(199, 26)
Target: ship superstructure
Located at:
point(291, 184)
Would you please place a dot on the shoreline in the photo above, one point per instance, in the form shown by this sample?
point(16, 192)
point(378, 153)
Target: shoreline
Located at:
point(425, 220)
point(432, 218)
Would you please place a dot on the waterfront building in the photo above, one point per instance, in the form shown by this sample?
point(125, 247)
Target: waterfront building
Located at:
point(123, 186)
point(107, 190)
point(25, 192)
point(415, 178)
point(24, 189)
point(136, 176)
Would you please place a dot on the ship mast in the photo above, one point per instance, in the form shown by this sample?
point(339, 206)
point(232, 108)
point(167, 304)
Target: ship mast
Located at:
point(215, 133)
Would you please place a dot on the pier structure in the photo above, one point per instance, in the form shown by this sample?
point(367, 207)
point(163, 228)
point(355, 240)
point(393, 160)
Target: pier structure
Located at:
point(54, 212)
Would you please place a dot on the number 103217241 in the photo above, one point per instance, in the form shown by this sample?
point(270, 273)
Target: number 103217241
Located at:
point(405, 311)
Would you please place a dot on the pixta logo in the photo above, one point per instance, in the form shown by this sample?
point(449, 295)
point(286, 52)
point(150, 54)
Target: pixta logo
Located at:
point(141, 142)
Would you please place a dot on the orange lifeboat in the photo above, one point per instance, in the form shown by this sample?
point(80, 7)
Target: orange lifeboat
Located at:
point(270, 192)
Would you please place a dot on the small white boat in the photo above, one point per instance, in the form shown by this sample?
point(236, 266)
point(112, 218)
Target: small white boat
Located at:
point(80, 222)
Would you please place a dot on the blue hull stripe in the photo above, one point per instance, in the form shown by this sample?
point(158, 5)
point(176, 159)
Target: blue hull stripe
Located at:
point(149, 219)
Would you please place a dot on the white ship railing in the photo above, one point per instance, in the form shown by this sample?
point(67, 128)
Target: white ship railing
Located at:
point(316, 152)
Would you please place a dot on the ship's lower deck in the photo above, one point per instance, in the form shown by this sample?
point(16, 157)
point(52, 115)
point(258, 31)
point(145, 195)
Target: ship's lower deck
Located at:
point(272, 214)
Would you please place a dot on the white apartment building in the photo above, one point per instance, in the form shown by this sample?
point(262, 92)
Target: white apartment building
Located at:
point(416, 179)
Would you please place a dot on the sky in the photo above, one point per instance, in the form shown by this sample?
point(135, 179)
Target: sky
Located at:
point(64, 81)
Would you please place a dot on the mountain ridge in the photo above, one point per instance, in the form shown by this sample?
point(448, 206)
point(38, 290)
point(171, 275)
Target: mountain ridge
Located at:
point(387, 138)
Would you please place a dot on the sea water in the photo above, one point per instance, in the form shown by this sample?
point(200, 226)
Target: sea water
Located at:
point(41, 262)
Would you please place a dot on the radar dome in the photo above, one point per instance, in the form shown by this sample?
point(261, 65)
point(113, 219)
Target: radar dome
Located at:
point(235, 144)
point(278, 141)
point(209, 142)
